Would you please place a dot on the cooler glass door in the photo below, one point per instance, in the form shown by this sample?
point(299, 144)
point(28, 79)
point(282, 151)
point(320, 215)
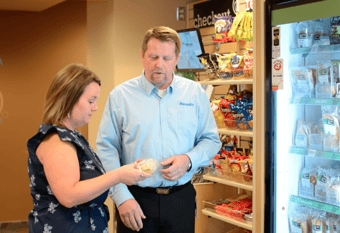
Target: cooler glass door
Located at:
point(303, 104)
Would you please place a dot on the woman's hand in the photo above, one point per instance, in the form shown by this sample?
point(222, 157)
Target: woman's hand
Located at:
point(130, 174)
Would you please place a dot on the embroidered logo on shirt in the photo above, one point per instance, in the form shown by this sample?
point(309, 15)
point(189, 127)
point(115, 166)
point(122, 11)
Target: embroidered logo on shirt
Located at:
point(186, 104)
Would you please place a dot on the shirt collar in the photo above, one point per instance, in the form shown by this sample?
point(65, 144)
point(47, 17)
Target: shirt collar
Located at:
point(149, 87)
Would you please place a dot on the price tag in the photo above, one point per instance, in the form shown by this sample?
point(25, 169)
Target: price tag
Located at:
point(311, 153)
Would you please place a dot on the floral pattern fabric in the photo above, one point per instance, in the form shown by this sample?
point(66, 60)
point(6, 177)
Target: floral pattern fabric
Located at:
point(48, 215)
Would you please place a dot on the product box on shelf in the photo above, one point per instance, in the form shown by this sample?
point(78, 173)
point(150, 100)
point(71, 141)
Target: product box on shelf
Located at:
point(236, 209)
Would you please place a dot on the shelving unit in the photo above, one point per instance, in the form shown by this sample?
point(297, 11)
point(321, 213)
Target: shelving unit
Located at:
point(212, 213)
point(221, 86)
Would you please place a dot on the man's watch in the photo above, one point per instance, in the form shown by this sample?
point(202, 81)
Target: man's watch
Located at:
point(190, 165)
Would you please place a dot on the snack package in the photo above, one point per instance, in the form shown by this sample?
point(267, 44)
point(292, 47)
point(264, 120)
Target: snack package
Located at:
point(237, 65)
point(148, 165)
point(217, 113)
point(210, 65)
point(324, 87)
point(302, 81)
point(330, 120)
point(224, 63)
point(303, 130)
point(222, 26)
point(248, 64)
point(308, 179)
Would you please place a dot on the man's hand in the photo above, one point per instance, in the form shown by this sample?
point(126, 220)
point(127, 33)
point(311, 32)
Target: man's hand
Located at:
point(178, 167)
point(131, 214)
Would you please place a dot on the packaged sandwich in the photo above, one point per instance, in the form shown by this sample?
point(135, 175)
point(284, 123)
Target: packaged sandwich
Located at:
point(303, 130)
point(330, 120)
point(324, 87)
point(302, 81)
point(298, 222)
point(308, 179)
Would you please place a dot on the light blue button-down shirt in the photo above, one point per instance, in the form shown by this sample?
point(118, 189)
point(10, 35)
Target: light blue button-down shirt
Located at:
point(138, 123)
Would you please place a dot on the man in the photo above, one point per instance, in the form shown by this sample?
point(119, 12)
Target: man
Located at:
point(165, 117)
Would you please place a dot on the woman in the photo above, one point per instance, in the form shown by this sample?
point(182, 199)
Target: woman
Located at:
point(68, 182)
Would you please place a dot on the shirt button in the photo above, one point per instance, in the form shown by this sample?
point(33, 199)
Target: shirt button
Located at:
point(163, 119)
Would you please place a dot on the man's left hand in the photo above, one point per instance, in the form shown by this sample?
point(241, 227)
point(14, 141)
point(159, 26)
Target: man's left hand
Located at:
point(178, 167)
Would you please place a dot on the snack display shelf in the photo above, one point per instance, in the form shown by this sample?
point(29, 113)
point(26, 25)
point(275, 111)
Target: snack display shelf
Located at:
point(212, 213)
point(228, 182)
point(315, 101)
point(218, 82)
point(314, 153)
point(316, 49)
point(315, 204)
point(244, 133)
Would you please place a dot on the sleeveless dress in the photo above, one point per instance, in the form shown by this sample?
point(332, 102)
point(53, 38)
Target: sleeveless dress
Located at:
point(48, 215)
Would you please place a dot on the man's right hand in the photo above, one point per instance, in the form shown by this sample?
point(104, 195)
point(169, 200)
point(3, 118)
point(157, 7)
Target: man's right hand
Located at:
point(131, 214)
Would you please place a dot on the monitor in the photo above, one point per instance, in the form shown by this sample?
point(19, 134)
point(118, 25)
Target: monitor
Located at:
point(192, 46)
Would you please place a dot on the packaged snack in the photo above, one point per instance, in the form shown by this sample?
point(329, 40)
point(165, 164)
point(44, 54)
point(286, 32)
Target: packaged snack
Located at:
point(237, 65)
point(324, 87)
point(222, 26)
point(304, 32)
point(210, 65)
point(148, 165)
point(248, 64)
point(217, 113)
point(302, 81)
point(224, 62)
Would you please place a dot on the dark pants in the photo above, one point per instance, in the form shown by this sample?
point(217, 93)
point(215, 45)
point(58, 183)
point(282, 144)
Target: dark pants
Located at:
point(165, 213)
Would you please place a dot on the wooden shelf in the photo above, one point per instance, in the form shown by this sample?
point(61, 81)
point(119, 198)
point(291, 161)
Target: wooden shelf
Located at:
point(212, 213)
point(228, 182)
point(219, 82)
point(235, 132)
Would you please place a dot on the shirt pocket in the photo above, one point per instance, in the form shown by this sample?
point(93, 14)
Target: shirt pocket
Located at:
point(187, 120)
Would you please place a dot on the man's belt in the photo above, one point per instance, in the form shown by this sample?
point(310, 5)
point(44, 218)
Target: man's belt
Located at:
point(160, 190)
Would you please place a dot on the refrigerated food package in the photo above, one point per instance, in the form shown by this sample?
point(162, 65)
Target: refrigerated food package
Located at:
point(303, 130)
point(330, 120)
point(307, 182)
point(335, 30)
point(322, 184)
point(324, 86)
point(302, 81)
point(298, 221)
point(304, 34)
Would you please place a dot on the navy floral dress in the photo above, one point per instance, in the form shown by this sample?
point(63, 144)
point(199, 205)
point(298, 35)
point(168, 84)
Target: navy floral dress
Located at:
point(48, 215)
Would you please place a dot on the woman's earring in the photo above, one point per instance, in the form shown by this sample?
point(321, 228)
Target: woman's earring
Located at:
point(68, 115)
